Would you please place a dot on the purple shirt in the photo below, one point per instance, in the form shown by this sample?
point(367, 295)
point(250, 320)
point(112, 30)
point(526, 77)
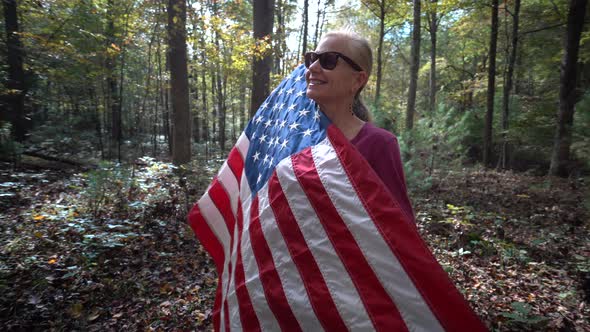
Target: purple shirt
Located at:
point(381, 150)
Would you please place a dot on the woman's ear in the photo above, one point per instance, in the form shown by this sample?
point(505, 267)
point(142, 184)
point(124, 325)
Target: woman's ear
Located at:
point(360, 81)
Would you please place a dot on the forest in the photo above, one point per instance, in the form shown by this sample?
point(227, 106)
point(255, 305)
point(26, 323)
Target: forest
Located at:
point(116, 115)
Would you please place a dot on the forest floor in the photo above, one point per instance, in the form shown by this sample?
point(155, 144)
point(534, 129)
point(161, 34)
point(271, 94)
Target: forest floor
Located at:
point(109, 249)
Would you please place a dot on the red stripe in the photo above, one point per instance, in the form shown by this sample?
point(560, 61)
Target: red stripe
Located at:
point(445, 301)
point(214, 248)
point(221, 200)
point(273, 289)
point(226, 314)
point(321, 301)
point(236, 163)
point(247, 314)
point(217, 306)
point(378, 303)
point(206, 237)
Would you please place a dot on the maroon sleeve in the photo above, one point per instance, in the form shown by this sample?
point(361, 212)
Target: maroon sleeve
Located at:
point(381, 149)
point(390, 169)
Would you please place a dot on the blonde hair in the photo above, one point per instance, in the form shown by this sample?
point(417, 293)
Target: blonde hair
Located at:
point(360, 50)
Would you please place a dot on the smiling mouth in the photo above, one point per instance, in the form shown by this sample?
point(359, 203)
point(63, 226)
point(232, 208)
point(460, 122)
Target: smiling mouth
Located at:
point(316, 82)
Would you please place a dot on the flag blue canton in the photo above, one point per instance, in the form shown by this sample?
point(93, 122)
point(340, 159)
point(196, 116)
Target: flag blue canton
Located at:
point(286, 123)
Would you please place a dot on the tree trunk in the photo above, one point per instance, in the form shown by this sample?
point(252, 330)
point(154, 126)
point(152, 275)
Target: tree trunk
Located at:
point(380, 52)
point(414, 67)
point(114, 102)
point(263, 22)
point(433, 29)
point(508, 86)
point(316, 34)
point(305, 25)
point(487, 137)
point(181, 133)
point(15, 98)
point(567, 89)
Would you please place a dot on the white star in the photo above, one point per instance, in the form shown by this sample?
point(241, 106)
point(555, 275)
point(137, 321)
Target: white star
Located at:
point(300, 93)
point(268, 123)
point(303, 112)
point(275, 107)
point(316, 115)
point(253, 136)
point(283, 124)
point(256, 156)
point(258, 119)
point(292, 107)
point(281, 91)
point(307, 132)
point(270, 161)
point(281, 106)
point(264, 106)
point(284, 144)
point(290, 91)
point(259, 178)
point(276, 140)
point(262, 138)
point(302, 76)
point(277, 121)
point(294, 125)
point(265, 159)
point(298, 78)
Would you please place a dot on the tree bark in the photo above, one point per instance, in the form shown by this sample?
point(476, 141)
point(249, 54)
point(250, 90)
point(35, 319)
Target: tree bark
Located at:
point(305, 25)
point(113, 90)
point(181, 133)
point(263, 21)
point(433, 29)
point(560, 156)
point(15, 98)
point(508, 86)
point(414, 67)
point(380, 52)
point(487, 137)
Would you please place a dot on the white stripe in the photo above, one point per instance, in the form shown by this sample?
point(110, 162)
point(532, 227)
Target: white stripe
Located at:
point(243, 144)
point(341, 287)
point(266, 318)
point(414, 311)
point(291, 280)
point(227, 178)
point(217, 224)
point(232, 299)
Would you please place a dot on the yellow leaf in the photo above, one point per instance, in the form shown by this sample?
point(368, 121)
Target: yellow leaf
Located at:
point(52, 261)
point(38, 235)
point(115, 47)
point(76, 310)
point(38, 217)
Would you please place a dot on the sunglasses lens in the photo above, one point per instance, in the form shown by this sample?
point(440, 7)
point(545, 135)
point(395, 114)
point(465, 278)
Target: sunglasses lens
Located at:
point(310, 58)
point(328, 60)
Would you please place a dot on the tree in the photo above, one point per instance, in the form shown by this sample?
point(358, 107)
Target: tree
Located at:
point(487, 137)
point(181, 133)
point(414, 66)
point(433, 22)
point(263, 21)
point(567, 88)
point(508, 85)
point(15, 96)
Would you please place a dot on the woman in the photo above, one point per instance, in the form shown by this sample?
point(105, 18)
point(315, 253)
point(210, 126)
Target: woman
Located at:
point(337, 71)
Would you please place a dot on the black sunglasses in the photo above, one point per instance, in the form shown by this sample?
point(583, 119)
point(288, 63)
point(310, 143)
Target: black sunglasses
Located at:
point(329, 60)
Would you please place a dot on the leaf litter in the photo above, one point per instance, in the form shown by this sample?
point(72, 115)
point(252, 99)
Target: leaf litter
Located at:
point(110, 248)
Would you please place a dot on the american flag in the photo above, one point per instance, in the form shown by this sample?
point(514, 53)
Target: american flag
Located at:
point(305, 237)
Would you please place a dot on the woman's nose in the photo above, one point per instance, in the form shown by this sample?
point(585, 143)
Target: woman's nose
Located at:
point(315, 66)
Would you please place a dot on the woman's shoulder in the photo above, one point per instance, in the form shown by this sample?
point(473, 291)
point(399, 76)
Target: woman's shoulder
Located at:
point(375, 134)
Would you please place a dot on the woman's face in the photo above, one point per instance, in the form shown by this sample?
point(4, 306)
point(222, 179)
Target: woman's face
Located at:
point(338, 84)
